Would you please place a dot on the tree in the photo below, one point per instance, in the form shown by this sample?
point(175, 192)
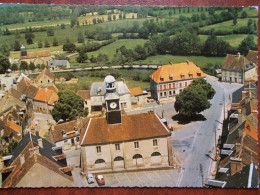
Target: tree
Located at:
point(244, 14)
point(62, 26)
point(114, 17)
point(16, 45)
point(94, 20)
point(55, 42)
point(29, 36)
point(80, 38)
point(235, 21)
point(50, 32)
point(69, 106)
point(32, 66)
point(210, 92)
point(14, 67)
point(249, 22)
point(46, 43)
point(40, 44)
point(109, 18)
point(68, 46)
point(247, 44)
point(193, 99)
point(82, 57)
point(24, 65)
point(4, 63)
point(4, 49)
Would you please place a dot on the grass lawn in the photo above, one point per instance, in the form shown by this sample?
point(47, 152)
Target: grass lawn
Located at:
point(228, 25)
point(201, 61)
point(110, 49)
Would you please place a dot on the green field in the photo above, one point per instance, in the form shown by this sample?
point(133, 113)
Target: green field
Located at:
point(228, 25)
point(201, 61)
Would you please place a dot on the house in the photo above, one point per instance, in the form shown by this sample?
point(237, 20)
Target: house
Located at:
point(35, 162)
point(98, 93)
point(54, 64)
point(85, 94)
point(252, 57)
point(234, 68)
point(137, 95)
point(27, 87)
point(44, 100)
point(45, 78)
point(120, 142)
point(37, 57)
point(169, 80)
point(67, 134)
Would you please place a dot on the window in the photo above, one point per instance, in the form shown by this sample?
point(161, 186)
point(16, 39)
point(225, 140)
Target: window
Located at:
point(161, 78)
point(199, 74)
point(155, 142)
point(98, 149)
point(170, 86)
point(170, 77)
point(161, 94)
point(186, 84)
point(164, 86)
point(190, 75)
point(48, 81)
point(137, 156)
point(160, 87)
point(180, 90)
point(182, 76)
point(136, 144)
point(170, 93)
point(118, 158)
point(117, 146)
point(98, 161)
point(174, 92)
point(180, 84)
point(156, 154)
point(173, 85)
point(124, 104)
point(165, 94)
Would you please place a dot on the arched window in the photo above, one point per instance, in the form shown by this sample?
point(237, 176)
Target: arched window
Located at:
point(156, 154)
point(99, 161)
point(137, 156)
point(118, 158)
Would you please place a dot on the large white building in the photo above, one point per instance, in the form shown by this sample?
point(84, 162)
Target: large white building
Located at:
point(169, 80)
point(124, 142)
point(98, 93)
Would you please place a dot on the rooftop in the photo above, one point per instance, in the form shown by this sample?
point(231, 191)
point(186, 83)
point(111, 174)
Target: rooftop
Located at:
point(46, 72)
point(252, 56)
point(234, 62)
point(136, 91)
point(85, 94)
point(36, 54)
point(174, 72)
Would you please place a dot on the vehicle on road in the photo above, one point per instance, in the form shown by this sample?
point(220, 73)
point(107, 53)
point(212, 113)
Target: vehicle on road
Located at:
point(90, 178)
point(100, 180)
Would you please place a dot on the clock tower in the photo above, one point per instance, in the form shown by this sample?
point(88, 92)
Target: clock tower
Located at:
point(112, 101)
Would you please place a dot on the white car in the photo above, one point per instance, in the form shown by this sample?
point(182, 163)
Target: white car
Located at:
point(90, 178)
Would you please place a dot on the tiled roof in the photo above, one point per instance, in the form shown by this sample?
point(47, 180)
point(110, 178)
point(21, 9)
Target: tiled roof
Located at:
point(234, 62)
point(136, 91)
point(174, 72)
point(53, 88)
point(48, 96)
point(9, 100)
point(44, 157)
point(15, 93)
point(68, 128)
point(27, 87)
point(14, 126)
point(36, 54)
point(133, 127)
point(252, 56)
point(31, 91)
point(46, 72)
point(237, 95)
point(85, 94)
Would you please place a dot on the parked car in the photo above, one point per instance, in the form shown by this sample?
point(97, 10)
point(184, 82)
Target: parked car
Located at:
point(90, 178)
point(100, 179)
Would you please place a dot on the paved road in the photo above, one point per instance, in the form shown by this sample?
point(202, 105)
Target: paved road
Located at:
point(197, 139)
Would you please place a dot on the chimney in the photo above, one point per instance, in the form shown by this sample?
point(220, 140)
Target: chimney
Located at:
point(40, 143)
point(236, 165)
point(188, 62)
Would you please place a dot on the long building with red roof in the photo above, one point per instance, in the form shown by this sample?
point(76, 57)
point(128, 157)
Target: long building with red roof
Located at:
point(169, 80)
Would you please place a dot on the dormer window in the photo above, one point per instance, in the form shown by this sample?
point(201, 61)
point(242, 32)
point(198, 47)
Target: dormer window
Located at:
point(198, 74)
point(191, 75)
point(182, 76)
point(161, 78)
point(171, 77)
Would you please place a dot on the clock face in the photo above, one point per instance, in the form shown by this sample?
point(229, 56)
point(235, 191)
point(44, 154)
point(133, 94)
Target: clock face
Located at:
point(113, 105)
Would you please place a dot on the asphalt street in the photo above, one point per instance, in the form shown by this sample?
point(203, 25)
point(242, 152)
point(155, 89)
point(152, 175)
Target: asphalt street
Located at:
point(193, 142)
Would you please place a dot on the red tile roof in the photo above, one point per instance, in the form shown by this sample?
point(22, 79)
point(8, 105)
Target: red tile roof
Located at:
point(85, 94)
point(46, 72)
point(14, 126)
point(252, 56)
point(48, 96)
point(234, 62)
point(53, 88)
point(36, 54)
point(174, 72)
point(133, 127)
point(136, 91)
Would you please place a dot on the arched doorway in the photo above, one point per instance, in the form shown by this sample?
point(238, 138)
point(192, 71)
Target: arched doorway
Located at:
point(119, 162)
point(137, 159)
point(100, 163)
point(156, 158)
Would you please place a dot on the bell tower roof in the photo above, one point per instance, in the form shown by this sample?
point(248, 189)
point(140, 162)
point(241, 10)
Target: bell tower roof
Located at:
point(110, 79)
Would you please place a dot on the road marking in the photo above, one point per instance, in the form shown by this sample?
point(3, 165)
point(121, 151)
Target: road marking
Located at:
point(86, 180)
point(117, 179)
point(180, 178)
point(138, 177)
point(127, 178)
point(167, 174)
point(107, 179)
point(158, 175)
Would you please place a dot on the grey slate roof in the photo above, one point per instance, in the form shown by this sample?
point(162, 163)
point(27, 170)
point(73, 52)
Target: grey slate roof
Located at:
point(121, 89)
point(237, 95)
point(58, 63)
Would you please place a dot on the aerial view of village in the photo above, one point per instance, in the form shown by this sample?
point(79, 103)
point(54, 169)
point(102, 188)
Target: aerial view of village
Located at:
point(128, 96)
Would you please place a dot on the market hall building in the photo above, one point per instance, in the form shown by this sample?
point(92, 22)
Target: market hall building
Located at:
point(124, 142)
